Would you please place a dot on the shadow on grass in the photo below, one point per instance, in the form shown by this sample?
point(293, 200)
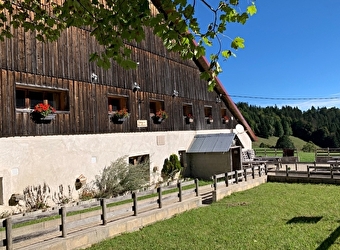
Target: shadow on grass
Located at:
point(304, 219)
point(330, 240)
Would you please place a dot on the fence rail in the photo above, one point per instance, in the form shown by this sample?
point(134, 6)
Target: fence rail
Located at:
point(236, 176)
point(322, 155)
point(64, 220)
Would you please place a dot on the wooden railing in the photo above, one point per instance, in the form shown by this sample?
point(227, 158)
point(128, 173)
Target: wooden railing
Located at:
point(237, 176)
point(65, 220)
point(322, 155)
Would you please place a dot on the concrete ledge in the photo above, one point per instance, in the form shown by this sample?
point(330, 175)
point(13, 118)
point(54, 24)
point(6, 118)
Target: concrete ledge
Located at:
point(220, 193)
point(88, 237)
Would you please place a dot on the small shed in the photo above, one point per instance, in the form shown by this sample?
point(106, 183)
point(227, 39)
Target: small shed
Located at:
point(211, 154)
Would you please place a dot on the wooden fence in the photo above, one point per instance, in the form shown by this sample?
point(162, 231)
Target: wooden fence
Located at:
point(65, 220)
point(307, 173)
point(322, 155)
point(237, 176)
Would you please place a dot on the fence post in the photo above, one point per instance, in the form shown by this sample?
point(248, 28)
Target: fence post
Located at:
point(196, 187)
point(103, 205)
point(134, 207)
point(226, 179)
point(260, 173)
point(62, 212)
point(308, 171)
point(253, 172)
point(159, 191)
point(331, 172)
point(265, 169)
point(215, 182)
point(236, 177)
point(287, 170)
point(245, 174)
point(9, 238)
point(179, 185)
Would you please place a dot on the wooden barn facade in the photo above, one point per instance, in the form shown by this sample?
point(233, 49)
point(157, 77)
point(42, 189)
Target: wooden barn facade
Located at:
point(84, 136)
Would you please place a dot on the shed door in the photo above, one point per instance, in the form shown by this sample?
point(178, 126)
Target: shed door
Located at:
point(236, 158)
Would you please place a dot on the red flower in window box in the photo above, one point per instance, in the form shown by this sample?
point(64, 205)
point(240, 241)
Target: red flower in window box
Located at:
point(190, 118)
point(162, 114)
point(121, 114)
point(43, 109)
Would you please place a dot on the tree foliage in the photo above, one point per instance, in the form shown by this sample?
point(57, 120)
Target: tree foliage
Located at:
point(320, 126)
point(116, 23)
point(284, 142)
point(171, 166)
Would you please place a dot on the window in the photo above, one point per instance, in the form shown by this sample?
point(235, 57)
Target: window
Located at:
point(116, 103)
point(224, 115)
point(27, 97)
point(207, 111)
point(187, 110)
point(155, 106)
point(139, 159)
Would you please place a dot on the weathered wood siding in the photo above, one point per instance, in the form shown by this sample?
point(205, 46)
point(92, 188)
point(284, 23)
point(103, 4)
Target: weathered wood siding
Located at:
point(64, 64)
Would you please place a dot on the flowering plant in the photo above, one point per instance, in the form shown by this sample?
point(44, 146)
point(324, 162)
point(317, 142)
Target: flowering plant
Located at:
point(190, 116)
point(43, 109)
point(161, 114)
point(123, 113)
point(226, 118)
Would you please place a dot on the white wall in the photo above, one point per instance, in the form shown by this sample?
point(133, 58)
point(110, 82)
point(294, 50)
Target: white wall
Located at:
point(56, 160)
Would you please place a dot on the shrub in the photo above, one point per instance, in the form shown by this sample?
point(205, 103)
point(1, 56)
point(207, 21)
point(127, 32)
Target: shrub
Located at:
point(121, 177)
point(171, 166)
point(36, 197)
point(309, 147)
point(284, 142)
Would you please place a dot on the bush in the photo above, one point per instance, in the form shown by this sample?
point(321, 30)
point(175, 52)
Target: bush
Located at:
point(309, 147)
point(171, 166)
point(121, 177)
point(284, 142)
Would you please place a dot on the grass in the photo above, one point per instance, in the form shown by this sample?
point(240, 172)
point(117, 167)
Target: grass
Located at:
point(298, 143)
point(271, 216)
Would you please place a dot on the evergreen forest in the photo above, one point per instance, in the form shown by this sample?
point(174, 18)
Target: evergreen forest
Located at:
point(320, 126)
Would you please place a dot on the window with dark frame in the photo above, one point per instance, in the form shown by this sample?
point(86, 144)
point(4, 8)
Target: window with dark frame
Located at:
point(187, 110)
point(27, 98)
point(116, 103)
point(223, 113)
point(155, 106)
point(207, 111)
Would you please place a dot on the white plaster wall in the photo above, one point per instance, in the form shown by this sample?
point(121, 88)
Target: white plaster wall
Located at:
point(59, 160)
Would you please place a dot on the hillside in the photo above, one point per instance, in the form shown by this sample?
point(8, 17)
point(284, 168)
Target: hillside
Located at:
point(298, 143)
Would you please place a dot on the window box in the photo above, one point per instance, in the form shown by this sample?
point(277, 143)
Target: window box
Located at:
point(189, 119)
point(160, 116)
point(120, 116)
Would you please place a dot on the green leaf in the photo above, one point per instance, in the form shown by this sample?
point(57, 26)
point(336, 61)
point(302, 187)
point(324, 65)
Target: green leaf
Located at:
point(251, 10)
point(237, 43)
point(206, 41)
point(226, 53)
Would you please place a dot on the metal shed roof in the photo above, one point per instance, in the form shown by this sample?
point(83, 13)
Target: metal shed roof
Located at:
point(218, 143)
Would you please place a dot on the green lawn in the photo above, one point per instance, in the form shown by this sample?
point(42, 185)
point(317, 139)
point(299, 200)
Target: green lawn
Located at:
point(271, 216)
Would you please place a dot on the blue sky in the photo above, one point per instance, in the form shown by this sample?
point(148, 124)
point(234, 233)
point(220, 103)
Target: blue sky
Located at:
point(292, 51)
